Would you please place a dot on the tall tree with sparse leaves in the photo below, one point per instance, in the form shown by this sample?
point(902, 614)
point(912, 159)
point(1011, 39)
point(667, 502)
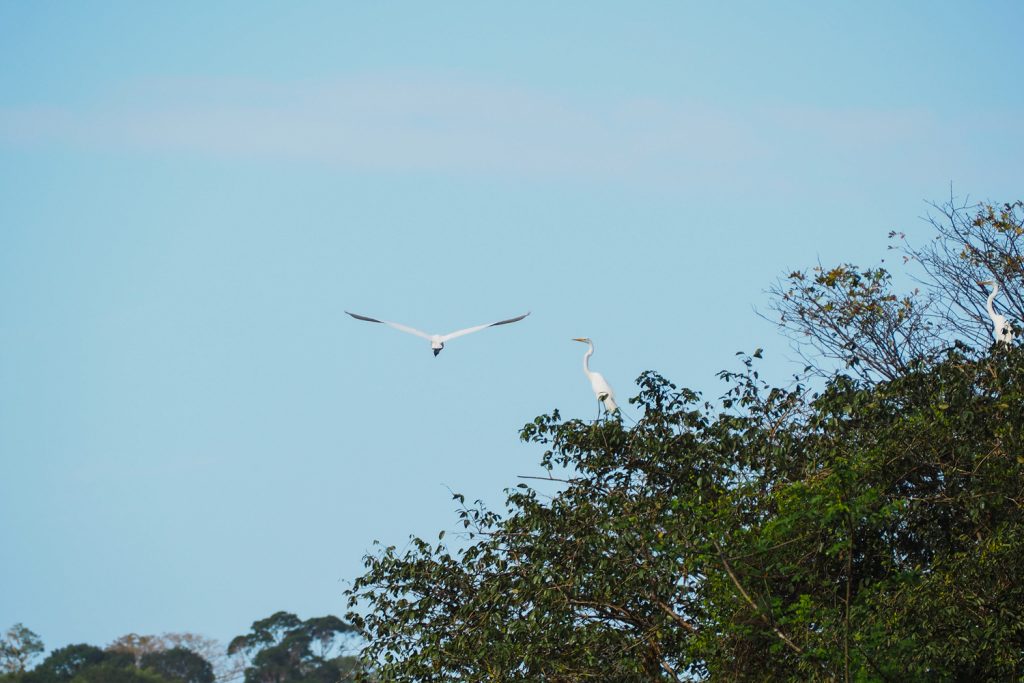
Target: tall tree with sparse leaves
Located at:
point(18, 646)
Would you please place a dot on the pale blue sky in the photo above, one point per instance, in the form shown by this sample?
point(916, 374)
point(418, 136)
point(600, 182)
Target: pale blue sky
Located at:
point(193, 435)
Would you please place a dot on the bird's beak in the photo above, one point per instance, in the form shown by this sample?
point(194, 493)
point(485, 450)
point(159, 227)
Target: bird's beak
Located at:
point(578, 339)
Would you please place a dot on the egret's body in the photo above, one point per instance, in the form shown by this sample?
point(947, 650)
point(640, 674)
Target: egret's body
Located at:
point(1001, 330)
point(436, 340)
point(602, 390)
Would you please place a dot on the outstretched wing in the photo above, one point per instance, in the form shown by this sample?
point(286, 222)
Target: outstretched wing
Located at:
point(397, 326)
point(453, 335)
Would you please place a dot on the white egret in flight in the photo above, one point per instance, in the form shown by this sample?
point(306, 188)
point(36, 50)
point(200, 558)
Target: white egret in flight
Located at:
point(437, 340)
point(598, 383)
point(1000, 328)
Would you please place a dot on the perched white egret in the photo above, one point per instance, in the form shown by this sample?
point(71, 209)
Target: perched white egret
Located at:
point(1000, 328)
point(437, 340)
point(598, 383)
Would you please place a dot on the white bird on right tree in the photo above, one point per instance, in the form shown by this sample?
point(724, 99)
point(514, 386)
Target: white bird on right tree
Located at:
point(598, 383)
point(1001, 329)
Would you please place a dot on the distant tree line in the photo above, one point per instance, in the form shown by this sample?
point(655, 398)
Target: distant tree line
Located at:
point(279, 649)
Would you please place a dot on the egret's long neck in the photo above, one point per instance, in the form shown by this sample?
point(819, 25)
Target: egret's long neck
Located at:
point(586, 358)
point(992, 297)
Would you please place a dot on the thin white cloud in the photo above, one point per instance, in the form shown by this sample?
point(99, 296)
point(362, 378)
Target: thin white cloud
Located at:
point(403, 124)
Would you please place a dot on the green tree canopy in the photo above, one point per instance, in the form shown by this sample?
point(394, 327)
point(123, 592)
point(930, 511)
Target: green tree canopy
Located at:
point(179, 665)
point(285, 649)
point(225, 668)
point(109, 673)
point(63, 664)
point(869, 530)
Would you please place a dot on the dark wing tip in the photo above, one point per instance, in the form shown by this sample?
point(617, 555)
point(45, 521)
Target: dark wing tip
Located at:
point(363, 317)
point(510, 320)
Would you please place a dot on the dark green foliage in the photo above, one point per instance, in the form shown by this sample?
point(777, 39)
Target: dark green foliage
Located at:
point(89, 664)
point(872, 532)
point(178, 664)
point(285, 649)
point(63, 664)
point(106, 673)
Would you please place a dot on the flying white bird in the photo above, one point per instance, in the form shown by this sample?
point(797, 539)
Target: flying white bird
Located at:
point(437, 340)
point(598, 383)
point(1001, 330)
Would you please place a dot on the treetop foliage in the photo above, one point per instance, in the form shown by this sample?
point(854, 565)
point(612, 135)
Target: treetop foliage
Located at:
point(283, 649)
point(870, 530)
